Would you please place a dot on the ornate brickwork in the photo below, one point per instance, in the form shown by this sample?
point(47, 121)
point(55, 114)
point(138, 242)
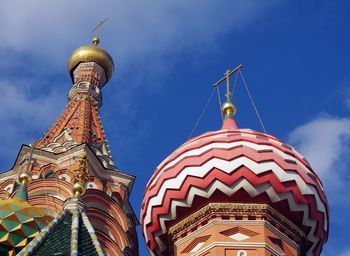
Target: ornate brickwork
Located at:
point(55, 161)
point(264, 211)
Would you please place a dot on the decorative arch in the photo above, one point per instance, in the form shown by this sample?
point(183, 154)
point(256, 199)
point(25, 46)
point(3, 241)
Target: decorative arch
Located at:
point(51, 204)
point(48, 170)
point(98, 199)
point(99, 218)
point(4, 195)
point(107, 244)
point(8, 186)
point(49, 193)
point(65, 175)
point(94, 183)
point(242, 253)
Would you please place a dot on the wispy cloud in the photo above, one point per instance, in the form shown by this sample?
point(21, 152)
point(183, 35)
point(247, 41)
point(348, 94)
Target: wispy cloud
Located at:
point(37, 38)
point(345, 253)
point(325, 141)
point(135, 28)
point(22, 114)
point(347, 98)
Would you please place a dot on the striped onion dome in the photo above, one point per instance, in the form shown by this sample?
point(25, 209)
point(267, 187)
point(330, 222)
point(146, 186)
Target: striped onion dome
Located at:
point(234, 165)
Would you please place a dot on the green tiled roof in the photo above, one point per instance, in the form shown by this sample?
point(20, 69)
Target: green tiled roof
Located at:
point(70, 233)
point(58, 241)
point(85, 244)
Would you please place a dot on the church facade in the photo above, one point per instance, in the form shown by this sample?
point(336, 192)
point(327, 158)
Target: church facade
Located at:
point(232, 192)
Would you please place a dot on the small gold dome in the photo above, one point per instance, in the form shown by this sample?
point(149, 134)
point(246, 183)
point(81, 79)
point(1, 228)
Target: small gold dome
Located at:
point(78, 190)
point(228, 109)
point(92, 53)
point(25, 178)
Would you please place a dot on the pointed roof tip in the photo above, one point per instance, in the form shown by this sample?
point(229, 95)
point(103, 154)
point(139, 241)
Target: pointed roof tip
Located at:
point(229, 110)
point(22, 194)
point(229, 123)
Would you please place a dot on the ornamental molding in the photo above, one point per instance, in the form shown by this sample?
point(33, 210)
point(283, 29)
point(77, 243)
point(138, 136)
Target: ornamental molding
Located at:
point(213, 209)
point(237, 245)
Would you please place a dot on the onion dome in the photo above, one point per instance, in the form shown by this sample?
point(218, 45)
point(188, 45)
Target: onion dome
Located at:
point(234, 165)
point(92, 53)
point(19, 222)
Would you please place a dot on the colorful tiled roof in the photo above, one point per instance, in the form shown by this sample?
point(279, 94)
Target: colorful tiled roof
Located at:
point(70, 233)
point(19, 222)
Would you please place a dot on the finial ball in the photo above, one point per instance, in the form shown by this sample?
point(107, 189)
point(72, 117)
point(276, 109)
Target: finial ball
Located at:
point(78, 189)
point(228, 108)
point(25, 178)
point(95, 40)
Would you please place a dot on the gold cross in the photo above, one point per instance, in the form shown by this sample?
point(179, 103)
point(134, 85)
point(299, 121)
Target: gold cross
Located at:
point(227, 77)
point(98, 27)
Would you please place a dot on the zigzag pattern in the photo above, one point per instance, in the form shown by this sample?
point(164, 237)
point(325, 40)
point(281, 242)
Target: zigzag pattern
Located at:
point(229, 161)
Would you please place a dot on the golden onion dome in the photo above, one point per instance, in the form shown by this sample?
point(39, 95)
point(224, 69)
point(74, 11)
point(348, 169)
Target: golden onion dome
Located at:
point(92, 53)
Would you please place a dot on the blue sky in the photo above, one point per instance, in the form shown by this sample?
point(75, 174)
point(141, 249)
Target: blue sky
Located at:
point(167, 54)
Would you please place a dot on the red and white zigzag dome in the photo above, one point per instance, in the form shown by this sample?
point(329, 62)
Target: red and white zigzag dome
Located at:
point(234, 165)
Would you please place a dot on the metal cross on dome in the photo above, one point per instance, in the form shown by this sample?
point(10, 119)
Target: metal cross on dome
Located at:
point(227, 77)
point(98, 27)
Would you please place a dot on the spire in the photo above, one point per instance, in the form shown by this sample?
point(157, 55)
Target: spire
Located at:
point(90, 68)
point(228, 108)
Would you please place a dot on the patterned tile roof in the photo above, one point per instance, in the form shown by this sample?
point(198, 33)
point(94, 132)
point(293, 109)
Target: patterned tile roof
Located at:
point(70, 233)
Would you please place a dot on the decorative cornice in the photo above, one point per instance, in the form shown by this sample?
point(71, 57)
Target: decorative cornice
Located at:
point(212, 209)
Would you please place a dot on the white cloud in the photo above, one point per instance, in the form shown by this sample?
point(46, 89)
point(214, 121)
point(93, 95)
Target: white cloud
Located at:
point(134, 29)
point(346, 253)
point(325, 142)
point(347, 102)
point(22, 114)
point(335, 252)
point(37, 37)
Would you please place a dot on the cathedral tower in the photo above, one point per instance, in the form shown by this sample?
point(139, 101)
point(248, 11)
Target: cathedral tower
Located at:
point(75, 151)
point(234, 192)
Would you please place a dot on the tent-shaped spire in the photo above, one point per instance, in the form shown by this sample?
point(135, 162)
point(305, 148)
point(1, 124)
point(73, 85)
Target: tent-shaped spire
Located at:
point(90, 68)
point(70, 233)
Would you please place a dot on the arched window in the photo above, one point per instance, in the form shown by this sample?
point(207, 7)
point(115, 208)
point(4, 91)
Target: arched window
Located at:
point(64, 177)
point(49, 174)
point(91, 185)
point(242, 253)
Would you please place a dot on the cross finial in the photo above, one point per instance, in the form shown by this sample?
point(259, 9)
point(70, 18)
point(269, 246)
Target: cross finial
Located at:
point(228, 108)
point(228, 89)
point(227, 77)
point(97, 29)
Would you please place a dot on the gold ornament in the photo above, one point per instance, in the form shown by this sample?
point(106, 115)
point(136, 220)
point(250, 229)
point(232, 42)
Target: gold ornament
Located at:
point(25, 178)
point(228, 109)
point(78, 190)
point(92, 53)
